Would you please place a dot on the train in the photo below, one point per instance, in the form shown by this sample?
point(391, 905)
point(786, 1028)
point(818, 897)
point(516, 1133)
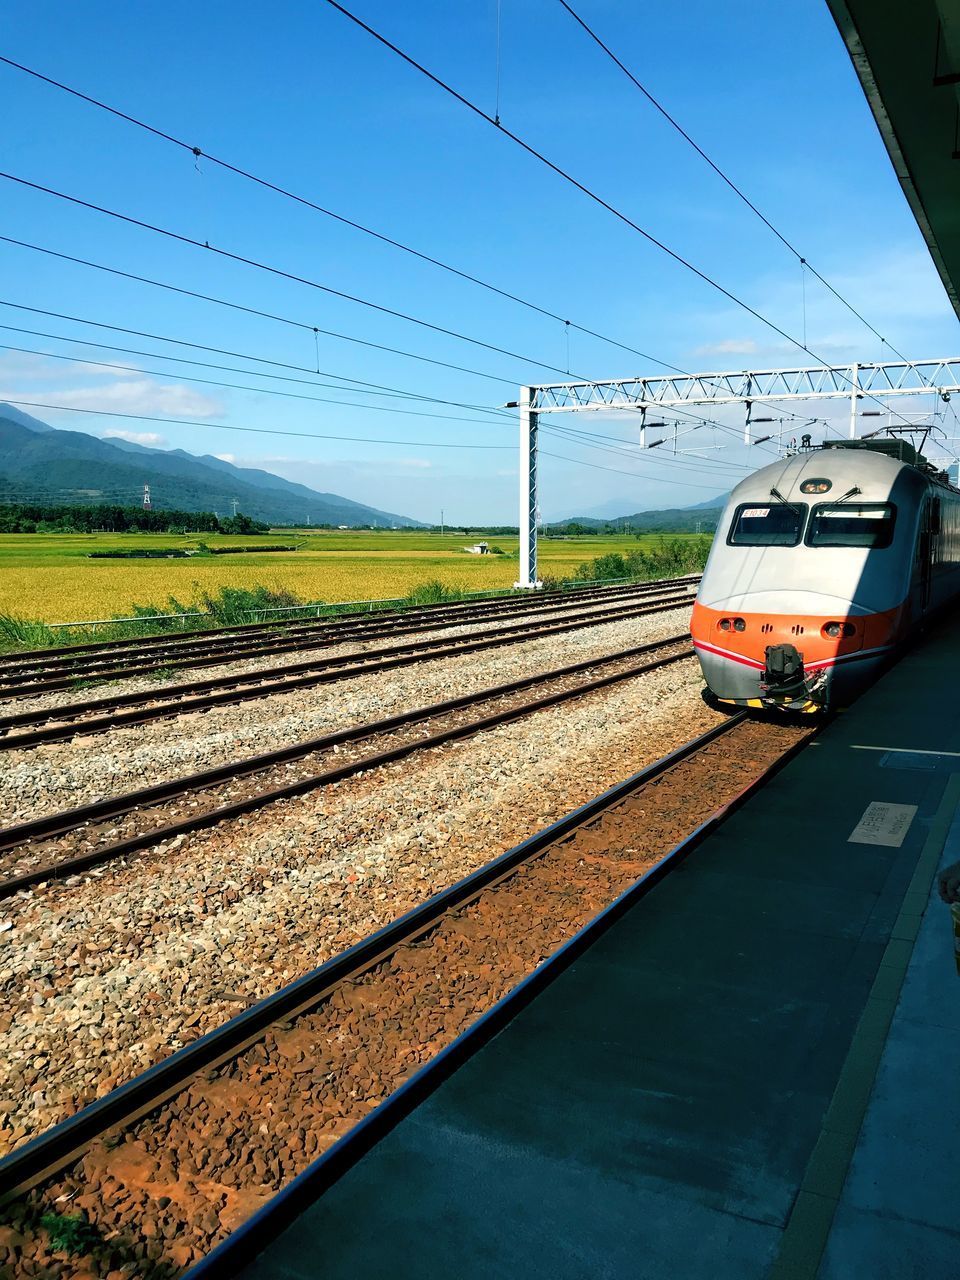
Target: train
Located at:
point(825, 565)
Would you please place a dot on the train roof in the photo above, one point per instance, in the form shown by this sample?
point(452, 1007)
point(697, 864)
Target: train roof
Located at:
point(871, 466)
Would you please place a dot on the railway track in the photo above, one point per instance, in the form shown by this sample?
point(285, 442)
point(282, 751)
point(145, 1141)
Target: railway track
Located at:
point(25, 675)
point(30, 728)
point(219, 650)
point(162, 1169)
point(71, 842)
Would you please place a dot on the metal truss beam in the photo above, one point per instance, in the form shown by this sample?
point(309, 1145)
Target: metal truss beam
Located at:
point(821, 382)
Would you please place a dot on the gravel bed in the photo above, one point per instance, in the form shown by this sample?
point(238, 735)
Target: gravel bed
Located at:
point(172, 677)
point(137, 822)
point(184, 1177)
point(62, 775)
point(104, 977)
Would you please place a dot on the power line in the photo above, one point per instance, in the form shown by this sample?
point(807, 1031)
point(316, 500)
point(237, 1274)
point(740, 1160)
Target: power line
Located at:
point(298, 324)
point(253, 373)
point(197, 152)
point(263, 391)
point(585, 190)
point(254, 311)
point(805, 262)
point(278, 271)
point(588, 439)
point(261, 431)
point(648, 469)
point(301, 324)
point(634, 475)
point(376, 388)
point(329, 213)
point(259, 359)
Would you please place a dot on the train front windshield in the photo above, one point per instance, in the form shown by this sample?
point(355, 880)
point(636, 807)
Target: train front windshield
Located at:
point(778, 524)
point(852, 525)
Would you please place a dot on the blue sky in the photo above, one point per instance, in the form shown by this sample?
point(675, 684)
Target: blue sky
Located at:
point(299, 96)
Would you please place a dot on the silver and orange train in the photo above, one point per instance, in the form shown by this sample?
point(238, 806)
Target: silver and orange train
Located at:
point(823, 566)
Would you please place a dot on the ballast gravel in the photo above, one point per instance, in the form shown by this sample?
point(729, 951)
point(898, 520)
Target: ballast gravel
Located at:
point(64, 775)
point(105, 976)
point(170, 677)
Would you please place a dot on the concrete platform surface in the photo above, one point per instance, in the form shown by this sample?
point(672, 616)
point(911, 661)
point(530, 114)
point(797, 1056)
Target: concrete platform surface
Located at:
point(686, 1099)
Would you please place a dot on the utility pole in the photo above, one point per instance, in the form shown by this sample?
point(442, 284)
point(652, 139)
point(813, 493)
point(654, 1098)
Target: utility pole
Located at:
point(147, 505)
point(441, 522)
point(235, 502)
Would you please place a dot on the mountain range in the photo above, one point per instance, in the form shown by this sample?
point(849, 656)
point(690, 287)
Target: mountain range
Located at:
point(40, 463)
point(702, 518)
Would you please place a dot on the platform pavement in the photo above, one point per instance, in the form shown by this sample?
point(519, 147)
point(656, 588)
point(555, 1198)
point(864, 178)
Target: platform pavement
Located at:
point(685, 1100)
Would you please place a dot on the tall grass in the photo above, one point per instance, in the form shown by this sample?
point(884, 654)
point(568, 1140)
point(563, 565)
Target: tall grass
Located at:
point(668, 558)
point(24, 633)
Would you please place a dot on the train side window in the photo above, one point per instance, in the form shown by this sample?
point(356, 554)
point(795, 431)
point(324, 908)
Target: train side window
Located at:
point(935, 522)
point(852, 524)
point(776, 524)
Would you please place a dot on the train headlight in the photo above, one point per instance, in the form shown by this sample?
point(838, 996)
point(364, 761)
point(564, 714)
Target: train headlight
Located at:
point(833, 630)
point(725, 624)
point(739, 624)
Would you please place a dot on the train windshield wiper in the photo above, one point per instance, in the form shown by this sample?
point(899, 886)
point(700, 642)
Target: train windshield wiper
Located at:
point(851, 493)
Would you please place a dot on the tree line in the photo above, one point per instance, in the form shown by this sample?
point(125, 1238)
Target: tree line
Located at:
point(30, 517)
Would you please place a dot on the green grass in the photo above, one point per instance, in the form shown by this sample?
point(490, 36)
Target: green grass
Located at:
point(70, 1232)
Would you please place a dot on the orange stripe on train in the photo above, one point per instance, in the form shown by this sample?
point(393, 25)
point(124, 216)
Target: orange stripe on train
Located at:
point(804, 631)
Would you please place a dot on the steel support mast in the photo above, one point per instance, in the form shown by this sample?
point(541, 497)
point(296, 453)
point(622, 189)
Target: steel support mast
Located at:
point(528, 491)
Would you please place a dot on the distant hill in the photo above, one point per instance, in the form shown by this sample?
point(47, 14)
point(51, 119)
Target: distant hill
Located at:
point(41, 463)
point(703, 519)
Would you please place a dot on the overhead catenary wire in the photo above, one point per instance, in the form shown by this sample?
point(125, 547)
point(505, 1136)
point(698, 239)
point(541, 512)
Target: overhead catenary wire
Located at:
point(263, 391)
point(341, 218)
point(634, 475)
point(255, 311)
point(645, 455)
point(568, 177)
point(395, 243)
point(197, 151)
point(280, 272)
point(260, 359)
point(252, 262)
point(261, 431)
point(648, 468)
point(725, 177)
point(375, 387)
point(303, 324)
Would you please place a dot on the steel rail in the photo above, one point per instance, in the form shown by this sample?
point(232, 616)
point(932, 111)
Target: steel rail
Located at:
point(60, 1145)
point(219, 652)
point(69, 821)
point(254, 634)
point(227, 1259)
point(63, 721)
point(526, 601)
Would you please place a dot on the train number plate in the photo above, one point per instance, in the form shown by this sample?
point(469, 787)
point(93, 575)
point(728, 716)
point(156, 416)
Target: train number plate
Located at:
point(883, 823)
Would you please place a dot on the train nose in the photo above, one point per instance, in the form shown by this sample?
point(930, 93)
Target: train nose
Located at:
point(783, 673)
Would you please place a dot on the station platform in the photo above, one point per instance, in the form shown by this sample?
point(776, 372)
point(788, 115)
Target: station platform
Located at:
point(755, 1072)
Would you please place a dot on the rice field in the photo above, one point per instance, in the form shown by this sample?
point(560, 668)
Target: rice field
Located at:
point(48, 577)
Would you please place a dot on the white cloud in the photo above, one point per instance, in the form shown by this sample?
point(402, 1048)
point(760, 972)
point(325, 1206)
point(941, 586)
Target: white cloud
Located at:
point(141, 396)
point(24, 366)
point(151, 439)
point(728, 347)
point(227, 457)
